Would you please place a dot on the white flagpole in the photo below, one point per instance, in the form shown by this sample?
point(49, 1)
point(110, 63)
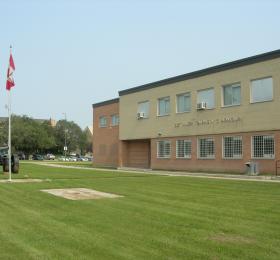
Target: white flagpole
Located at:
point(9, 138)
point(9, 135)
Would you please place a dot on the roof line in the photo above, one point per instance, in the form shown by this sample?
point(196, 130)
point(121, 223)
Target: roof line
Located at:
point(210, 70)
point(106, 102)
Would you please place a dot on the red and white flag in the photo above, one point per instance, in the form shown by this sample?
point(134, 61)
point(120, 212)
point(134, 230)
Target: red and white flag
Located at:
point(10, 80)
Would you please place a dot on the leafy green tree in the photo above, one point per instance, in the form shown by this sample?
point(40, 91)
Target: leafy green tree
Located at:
point(30, 136)
point(73, 134)
point(3, 132)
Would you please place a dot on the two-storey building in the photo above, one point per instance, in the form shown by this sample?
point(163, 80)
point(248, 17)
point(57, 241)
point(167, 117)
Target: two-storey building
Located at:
point(215, 119)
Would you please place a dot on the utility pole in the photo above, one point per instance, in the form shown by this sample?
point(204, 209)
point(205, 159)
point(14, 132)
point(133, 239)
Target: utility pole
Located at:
point(65, 142)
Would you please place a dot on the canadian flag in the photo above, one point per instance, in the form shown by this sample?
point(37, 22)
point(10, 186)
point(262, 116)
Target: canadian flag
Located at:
point(10, 80)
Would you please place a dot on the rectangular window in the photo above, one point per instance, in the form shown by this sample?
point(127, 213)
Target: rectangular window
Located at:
point(115, 120)
point(206, 148)
point(232, 147)
point(144, 108)
point(164, 106)
point(102, 121)
point(183, 148)
point(183, 103)
point(263, 146)
point(163, 149)
point(231, 95)
point(261, 90)
point(208, 96)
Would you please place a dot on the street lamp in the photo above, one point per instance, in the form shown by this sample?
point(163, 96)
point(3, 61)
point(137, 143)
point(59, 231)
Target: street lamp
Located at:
point(65, 143)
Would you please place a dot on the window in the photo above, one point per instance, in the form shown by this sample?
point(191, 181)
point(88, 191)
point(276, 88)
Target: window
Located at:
point(206, 148)
point(144, 107)
point(231, 95)
point(232, 147)
point(163, 149)
point(102, 121)
point(183, 148)
point(184, 103)
point(261, 90)
point(164, 106)
point(206, 95)
point(263, 146)
point(115, 120)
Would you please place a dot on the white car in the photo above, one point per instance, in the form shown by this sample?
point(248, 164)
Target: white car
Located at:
point(50, 156)
point(62, 158)
point(72, 159)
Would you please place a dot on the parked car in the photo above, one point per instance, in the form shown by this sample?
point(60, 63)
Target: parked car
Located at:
point(89, 158)
point(81, 158)
point(21, 156)
point(50, 156)
point(62, 158)
point(37, 157)
point(72, 159)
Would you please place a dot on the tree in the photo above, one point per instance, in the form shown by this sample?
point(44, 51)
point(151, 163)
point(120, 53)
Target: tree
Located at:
point(73, 134)
point(30, 136)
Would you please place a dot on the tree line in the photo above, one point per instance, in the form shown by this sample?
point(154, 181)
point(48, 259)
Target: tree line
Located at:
point(29, 135)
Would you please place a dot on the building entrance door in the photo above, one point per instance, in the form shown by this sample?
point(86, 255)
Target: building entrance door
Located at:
point(139, 154)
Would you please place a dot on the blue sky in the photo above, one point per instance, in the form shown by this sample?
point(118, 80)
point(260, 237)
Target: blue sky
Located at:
point(71, 54)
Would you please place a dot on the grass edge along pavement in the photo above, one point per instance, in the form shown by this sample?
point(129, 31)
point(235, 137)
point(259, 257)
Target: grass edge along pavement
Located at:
point(159, 217)
point(241, 177)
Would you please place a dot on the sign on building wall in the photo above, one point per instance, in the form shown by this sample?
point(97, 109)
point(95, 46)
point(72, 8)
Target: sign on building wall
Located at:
point(203, 122)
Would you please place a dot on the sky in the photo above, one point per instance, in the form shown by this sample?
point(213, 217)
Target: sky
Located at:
point(70, 54)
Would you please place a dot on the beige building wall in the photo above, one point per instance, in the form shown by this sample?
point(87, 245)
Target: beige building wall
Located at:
point(244, 118)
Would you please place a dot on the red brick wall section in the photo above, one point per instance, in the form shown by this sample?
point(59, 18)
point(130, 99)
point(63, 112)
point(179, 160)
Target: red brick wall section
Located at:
point(218, 164)
point(105, 140)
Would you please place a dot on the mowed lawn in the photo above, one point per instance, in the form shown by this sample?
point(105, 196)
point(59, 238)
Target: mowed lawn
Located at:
point(159, 217)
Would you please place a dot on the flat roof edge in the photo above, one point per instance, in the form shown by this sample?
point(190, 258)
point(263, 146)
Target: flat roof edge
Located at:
point(106, 102)
point(203, 72)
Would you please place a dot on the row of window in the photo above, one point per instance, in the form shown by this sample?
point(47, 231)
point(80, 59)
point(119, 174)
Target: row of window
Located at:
point(262, 148)
point(261, 90)
point(114, 121)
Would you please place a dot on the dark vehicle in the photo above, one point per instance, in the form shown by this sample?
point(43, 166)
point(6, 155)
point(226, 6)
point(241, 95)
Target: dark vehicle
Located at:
point(14, 163)
point(37, 157)
point(3, 152)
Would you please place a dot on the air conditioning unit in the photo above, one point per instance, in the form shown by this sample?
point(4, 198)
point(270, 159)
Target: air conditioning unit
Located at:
point(201, 106)
point(140, 115)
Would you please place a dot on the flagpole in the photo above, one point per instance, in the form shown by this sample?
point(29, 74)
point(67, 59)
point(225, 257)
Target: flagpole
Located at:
point(9, 138)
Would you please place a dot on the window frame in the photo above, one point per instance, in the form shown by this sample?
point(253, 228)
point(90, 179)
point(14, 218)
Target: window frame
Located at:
point(264, 157)
point(158, 106)
point(164, 152)
point(198, 149)
point(185, 141)
point(184, 94)
point(138, 109)
point(223, 148)
point(118, 121)
point(214, 97)
point(99, 122)
point(251, 89)
point(232, 85)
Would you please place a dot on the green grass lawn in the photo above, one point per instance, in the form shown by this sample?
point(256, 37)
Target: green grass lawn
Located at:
point(159, 217)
